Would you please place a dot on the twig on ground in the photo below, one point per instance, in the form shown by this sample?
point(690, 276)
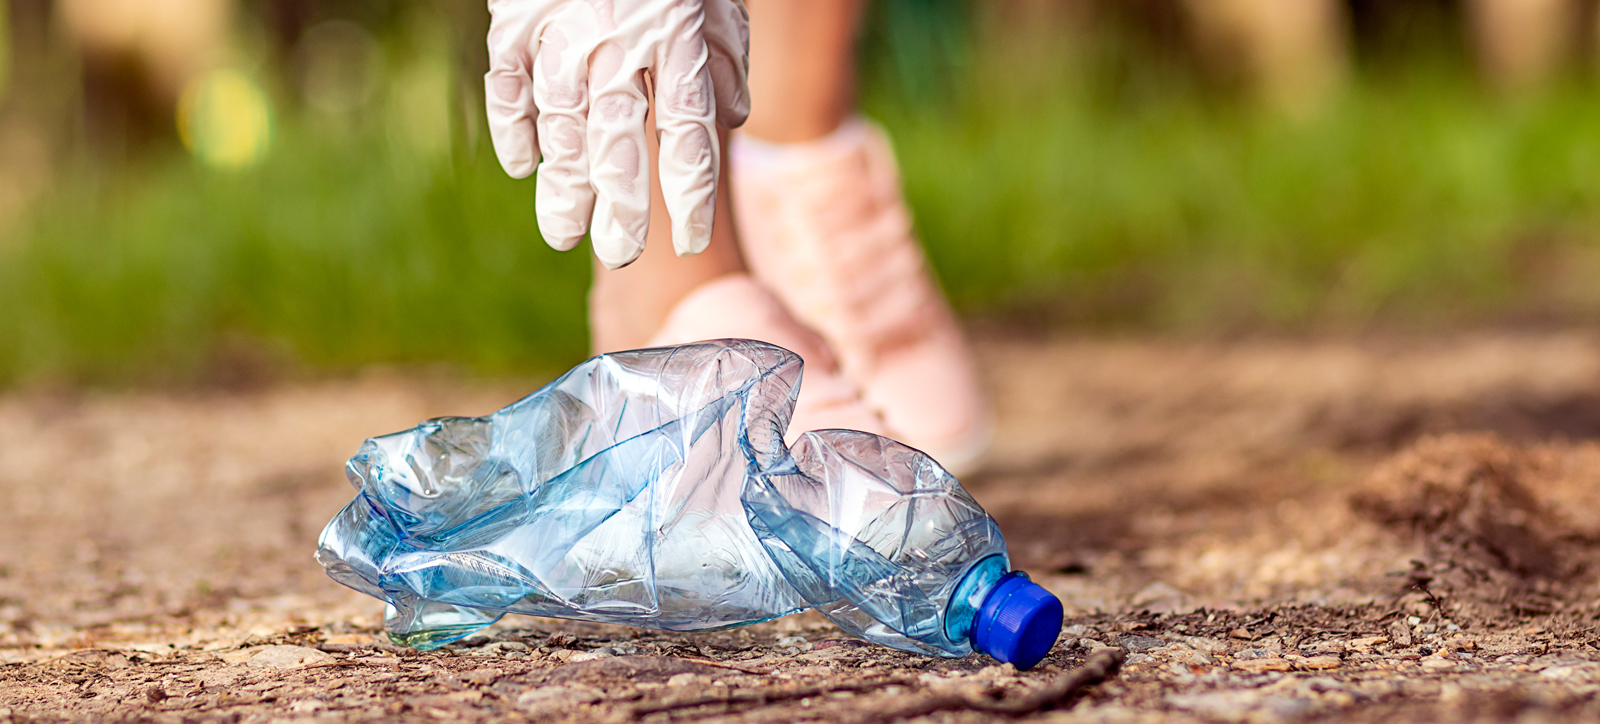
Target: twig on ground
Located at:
point(725, 665)
point(764, 696)
point(358, 648)
point(1101, 665)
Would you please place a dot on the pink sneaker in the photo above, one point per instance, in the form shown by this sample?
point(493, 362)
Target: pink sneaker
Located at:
point(824, 226)
point(736, 306)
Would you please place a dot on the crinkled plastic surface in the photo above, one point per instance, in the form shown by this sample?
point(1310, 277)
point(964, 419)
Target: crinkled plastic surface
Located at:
point(653, 488)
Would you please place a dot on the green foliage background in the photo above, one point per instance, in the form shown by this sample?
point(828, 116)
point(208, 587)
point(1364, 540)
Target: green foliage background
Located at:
point(1056, 184)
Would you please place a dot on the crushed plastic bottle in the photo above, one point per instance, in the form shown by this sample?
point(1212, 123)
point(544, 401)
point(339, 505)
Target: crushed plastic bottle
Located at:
point(654, 488)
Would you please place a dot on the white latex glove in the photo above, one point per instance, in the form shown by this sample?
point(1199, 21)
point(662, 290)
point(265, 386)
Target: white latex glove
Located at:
point(567, 80)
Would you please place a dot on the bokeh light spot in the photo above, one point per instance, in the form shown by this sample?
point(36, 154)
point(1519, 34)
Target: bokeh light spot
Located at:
point(224, 119)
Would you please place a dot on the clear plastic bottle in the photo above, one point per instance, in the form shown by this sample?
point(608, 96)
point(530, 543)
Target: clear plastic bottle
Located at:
point(653, 488)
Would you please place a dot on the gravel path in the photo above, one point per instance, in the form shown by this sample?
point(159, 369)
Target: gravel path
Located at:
point(1262, 530)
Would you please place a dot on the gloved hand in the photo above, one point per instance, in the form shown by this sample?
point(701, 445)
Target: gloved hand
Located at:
point(567, 80)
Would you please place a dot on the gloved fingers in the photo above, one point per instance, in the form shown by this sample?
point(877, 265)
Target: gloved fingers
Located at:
point(563, 198)
point(619, 160)
point(508, 88)
point(727, 37)
point(685, 122)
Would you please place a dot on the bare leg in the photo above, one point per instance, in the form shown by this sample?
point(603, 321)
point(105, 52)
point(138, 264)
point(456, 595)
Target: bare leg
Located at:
point(802, 67)
point(802, 85)
point(824, 226)
point(628, 305)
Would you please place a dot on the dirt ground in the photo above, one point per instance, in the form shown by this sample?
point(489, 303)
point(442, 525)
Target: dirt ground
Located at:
point(1352, 530)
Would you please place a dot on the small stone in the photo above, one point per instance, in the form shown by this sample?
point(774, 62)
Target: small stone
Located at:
point(1400, 634)
point(1241, 633)
point(601, 653)
point(1247, 654)
point(1141, 643)
point(1366, 644)
point(550, 698)
point(798, 642)
point(1185, 656)
point(287, 657)
point(1568, 672)
point(1436, 662)
point(155, 694)
point(1090, 644)
point(1203, 643)
point(800, 671)
point(1229, 705)
point(1320, 663)
point(1256, 666)
point(1322, 684)
point(1327, 647)
point(482, 677)
point(1076, 631)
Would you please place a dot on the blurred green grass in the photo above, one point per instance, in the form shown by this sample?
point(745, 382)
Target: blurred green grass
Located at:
point(1415, 202)
point(334, 253)
point(1051, 196)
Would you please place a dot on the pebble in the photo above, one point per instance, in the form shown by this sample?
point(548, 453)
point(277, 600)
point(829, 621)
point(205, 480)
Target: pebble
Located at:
point(482, 677)
point(1141, 643)
point(1568, 672)
point(1327, 647)
point(797, 642)
point(1186, 656)
point(800, 671)
point(1366, 644)
point(1231, 705)
point(287, 657)
point(1320, 663)
point(1257, 666)
point(601, 653)
point(1076, 631)
point(1201, 643)
point(1400, 634)
point(549, 698)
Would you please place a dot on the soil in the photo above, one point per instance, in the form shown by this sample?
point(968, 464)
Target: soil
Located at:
point(1280, 530)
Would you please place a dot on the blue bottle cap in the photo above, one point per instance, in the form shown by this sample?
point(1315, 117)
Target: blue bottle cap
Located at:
point(1018, 622)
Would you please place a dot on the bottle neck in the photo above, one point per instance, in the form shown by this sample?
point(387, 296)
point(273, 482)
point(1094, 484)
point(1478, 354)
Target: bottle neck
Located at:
point(976, 584)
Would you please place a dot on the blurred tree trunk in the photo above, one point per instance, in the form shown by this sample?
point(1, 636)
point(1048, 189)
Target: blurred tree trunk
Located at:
point(1291, 53)
point(136, 57)
point(1522, 44)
